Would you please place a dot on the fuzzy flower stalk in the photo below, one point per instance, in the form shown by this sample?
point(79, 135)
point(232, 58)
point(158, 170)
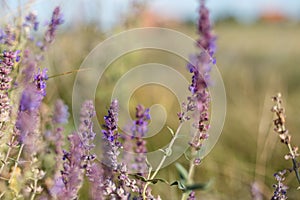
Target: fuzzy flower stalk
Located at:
point(199, 101)
point(113, 169)
point(7, 61)
point(79, 158)
point(139, 130)
point(285, 138)
point(200, 66)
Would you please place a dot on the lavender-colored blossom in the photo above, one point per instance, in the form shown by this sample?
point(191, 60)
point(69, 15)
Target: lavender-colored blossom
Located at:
point(200, 66)
point(4, 107)
point(72, 173)
point(192, 196)
point(61, 113)
point(56, 20)
point(2, 36)
point(7, 36)
point(85, 129)
point(30, 99)
point(208, 39)
point(79, 157)
point(7, 62)
point(140, 126)
point(31, 21)
point(280, 189)
point(256, 191)
point(94, 172)
point(111, 136)
point(139, 130)
point(40, 80)
point(27, 124)
point(112, 169)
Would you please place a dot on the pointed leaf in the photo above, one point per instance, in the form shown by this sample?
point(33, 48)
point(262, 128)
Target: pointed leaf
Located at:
point(183, 174)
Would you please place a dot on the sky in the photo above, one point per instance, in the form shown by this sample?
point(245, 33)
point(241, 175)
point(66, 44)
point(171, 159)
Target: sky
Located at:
point(108, 12)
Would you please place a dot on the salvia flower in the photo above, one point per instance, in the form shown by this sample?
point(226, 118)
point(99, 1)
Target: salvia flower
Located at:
point(256, 191)
point(280, 192)
point(56, 20)
point(114, 170)
point(31, 21)
point(30, 99)
point(7, 62)
point(200, 66)
point(85, 129)
point(40, 80)
point(111, 135)
point(72, 173)
point(207, 41)
point(61, 113)
point(8, 36)
point(94, 172)
point(192, 196)
point(140, 126)
point(139, 130)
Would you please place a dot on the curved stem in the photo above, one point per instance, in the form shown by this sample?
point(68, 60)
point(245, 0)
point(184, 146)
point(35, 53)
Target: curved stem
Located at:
point(169, 148)
point(190, 175)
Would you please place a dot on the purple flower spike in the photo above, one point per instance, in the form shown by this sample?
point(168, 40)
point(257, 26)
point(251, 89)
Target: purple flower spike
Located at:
point(40, 80)
point(61, 113)
point(207, 41)
point(72, 173)
point(85, 129)
point(140, 126)
point(7, 62)
point(31, 21)
point(56, 20)
point(30, 99)
point(110, 126)
point(200, 67)
point(139, 130)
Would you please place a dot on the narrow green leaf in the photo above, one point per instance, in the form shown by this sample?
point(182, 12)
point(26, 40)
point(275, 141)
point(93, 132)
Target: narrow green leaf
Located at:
point(198, 186)
point(183, 174)
point(195, 186)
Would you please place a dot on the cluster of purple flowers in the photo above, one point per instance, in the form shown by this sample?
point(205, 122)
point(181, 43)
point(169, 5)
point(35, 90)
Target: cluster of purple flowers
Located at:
point(56, 20)
point(200, 67)
point(139, 129)
point(31, 21)
point(7, 61)
point(7, 36)
point(280, 188)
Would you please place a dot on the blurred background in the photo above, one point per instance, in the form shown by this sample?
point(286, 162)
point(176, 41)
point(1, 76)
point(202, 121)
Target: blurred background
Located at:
point(258, 50)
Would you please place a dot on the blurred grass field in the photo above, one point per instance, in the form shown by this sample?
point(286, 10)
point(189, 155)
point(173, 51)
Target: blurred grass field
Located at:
point(256, 61)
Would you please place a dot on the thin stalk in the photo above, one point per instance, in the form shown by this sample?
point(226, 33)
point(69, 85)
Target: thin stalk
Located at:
point(190, 175)
point(7, 154)
point(16, 163)
point(35, 189)
point(295, 165)
point(169, 148)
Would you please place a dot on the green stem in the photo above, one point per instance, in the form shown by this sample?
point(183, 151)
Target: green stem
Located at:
point(169, 148)
point(7, 155)
point(295, 165)
point(16, 163)
point(35, 188)
point(190, 175)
